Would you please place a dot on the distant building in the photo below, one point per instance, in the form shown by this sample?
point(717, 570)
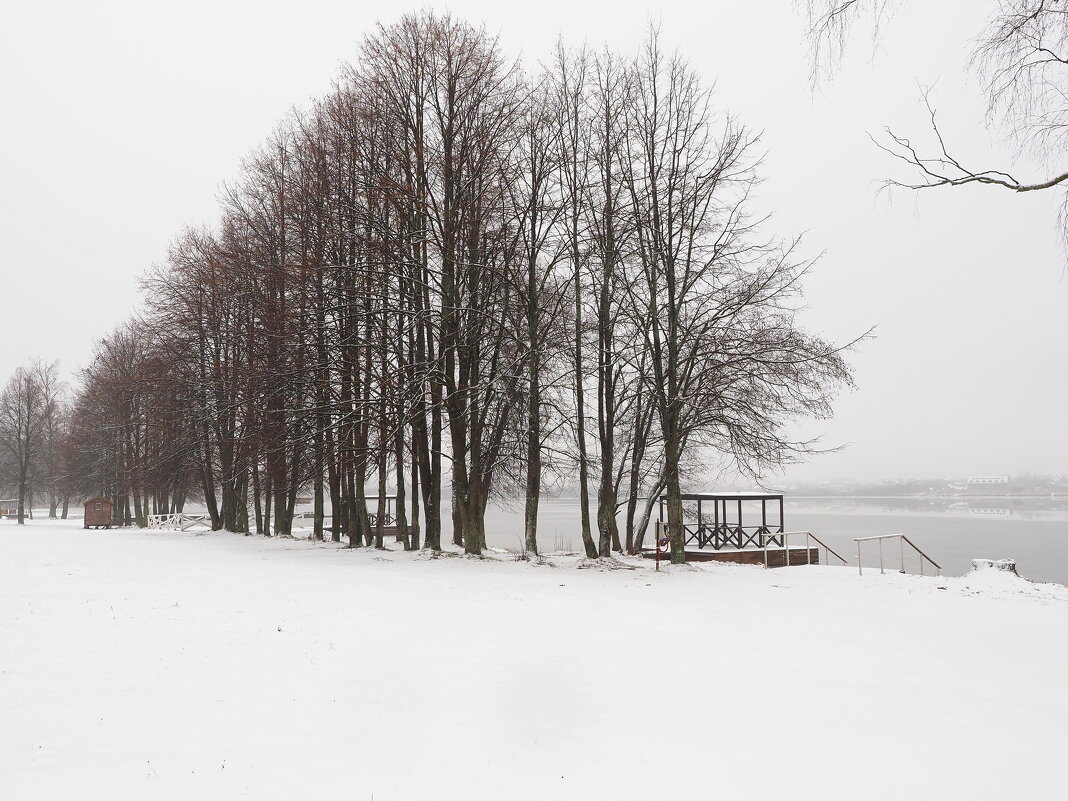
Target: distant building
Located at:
point(987, 480)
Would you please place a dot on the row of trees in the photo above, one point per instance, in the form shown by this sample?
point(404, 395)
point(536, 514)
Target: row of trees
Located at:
point(452, 278)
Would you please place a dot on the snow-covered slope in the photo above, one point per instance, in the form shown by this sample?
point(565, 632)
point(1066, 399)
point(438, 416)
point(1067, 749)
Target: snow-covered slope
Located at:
point(137, 665)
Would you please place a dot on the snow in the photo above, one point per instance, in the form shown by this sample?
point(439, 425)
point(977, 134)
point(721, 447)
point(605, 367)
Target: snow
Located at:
point(164, 665)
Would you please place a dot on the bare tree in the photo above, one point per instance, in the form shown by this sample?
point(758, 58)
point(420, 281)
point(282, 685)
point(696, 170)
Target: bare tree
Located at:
point(726, 363)
point(24, 411)
point(1021, 57)
point(572, 86)
point(541, 290)
point(53, 432)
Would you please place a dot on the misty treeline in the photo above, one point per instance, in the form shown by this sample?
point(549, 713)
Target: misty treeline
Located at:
point(35, 446)
point(452, 278)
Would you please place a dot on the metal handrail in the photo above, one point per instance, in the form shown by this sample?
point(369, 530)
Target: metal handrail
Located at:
point(809, 536)
point(902, 539)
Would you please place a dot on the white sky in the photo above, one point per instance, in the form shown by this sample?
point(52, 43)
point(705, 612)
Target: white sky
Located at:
point(121, 120)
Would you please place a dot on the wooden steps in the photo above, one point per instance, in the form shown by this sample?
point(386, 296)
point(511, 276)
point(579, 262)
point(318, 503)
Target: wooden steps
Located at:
point(777, 557)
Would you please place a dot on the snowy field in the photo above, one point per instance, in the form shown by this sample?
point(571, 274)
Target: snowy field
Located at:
point(137, 665)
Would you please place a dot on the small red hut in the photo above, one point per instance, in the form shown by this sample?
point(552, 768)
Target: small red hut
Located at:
point(97, 513)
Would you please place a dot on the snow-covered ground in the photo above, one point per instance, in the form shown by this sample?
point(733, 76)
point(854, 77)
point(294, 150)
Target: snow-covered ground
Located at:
point(146, 665)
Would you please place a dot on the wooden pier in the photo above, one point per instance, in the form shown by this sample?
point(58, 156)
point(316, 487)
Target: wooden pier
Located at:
point(777, 557)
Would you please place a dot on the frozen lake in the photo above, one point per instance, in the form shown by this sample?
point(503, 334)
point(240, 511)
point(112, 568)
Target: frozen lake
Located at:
point(1035, 534)
point(952, 531)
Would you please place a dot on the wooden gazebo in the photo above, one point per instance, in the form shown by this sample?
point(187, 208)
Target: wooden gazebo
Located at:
point(717, 520)
point(391, 512)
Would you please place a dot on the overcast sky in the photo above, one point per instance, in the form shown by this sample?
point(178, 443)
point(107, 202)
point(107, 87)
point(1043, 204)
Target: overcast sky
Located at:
point(122, 119)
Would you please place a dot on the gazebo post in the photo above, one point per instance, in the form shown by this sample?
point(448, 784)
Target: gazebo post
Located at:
point(700, 526)
point(741, 533)
point(763, 520)
point(715, 521)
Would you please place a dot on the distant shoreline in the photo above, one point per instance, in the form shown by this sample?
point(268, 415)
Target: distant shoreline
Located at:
point(962, 496)
point(1057, 496)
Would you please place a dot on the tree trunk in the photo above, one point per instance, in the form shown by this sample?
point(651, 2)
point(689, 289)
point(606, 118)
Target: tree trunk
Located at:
point(380, 510)
point(676, 533)
point(580, 420)
point(533, 494)
point(22, 500)
point(334, 480)
point(317, 525)
point(401, 513)
point(415, 501)
point(209, 497)
point(257, 498)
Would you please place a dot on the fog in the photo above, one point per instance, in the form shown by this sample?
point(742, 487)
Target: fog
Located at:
point(122, 120)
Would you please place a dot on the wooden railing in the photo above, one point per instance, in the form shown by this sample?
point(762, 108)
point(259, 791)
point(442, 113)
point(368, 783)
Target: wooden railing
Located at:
point(177, 521)
point(372, 517)
point(731, 536)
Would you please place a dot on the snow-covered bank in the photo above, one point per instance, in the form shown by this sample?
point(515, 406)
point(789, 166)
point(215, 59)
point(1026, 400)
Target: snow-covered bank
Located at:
point(141, 665)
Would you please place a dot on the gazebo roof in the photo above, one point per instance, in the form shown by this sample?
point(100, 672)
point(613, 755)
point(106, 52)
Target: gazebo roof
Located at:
point(730, 495)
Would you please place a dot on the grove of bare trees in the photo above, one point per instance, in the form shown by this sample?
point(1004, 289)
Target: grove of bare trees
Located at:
point(34, 426)
point(453, 278)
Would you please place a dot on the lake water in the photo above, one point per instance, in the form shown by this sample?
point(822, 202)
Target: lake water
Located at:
point(952, 531)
